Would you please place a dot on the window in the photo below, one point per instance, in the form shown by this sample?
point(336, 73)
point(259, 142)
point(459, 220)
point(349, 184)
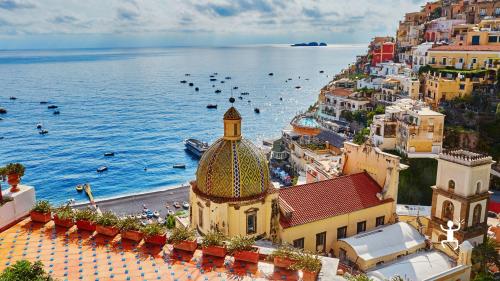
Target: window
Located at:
point(341, 232)
point(462, 86)
point(475, 40)
point(474, 60)
point(492, 39)
point(251, 222)
point(361, 226)
point(433, 60)
point(200, 217)
point(298, 243)
point(235, 129)
point(321, 242)
point(447, 211)
point(482, 12)
point(476, 215)
point(379, 221)
point(451, 186)
point(497, 11)
point(461, 60)
point(443, 61)
point(478, 187)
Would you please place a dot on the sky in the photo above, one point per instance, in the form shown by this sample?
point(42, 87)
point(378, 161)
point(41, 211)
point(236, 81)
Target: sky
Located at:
point(52, 24)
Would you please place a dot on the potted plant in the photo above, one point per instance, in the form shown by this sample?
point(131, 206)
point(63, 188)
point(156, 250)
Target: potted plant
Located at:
point(213, 244)
point(41, 212)
point(130, 228)
point(14, 172)
point(64, 216)
point(85, 219)
point(154, 233)
point(309, 264)
point(285, 256)
point(107, 224)
point(184, 238)
point(242, 248)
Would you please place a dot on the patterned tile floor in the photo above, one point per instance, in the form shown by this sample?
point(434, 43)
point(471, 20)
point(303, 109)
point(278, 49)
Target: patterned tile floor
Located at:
point(76, 255)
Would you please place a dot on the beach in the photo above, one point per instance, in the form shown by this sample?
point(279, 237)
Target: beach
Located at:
point(133, 204)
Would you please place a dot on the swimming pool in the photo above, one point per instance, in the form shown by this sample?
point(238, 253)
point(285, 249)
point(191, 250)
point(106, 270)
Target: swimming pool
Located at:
point(307, 122)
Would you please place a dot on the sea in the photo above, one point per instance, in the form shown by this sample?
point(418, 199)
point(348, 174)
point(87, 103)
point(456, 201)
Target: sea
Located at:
point(131, 102)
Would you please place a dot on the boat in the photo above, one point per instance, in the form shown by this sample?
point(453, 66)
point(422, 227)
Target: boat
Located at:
point(211, 106)
point(179, 166)
point(270, 74)
point(256, 110)
point(211, 76)
point(297, 87)
point(108, 154)
point(79, 188)
point(43, 132)
point(196, 147)
point(281, 98)
point(228, 77)
point(240, 98)
point(39, 125)
point(183, 81)
point(235, 88)
point(218, 91)
point(13, 98)
point(222, 82)
point(44, 102)
point(245, 94)
point(187, 74)
point(102, 169)
point(52, 106)
point(213, 79)
point(156, 214)
point(197, 89)
point(191, 84)
point(185, 205)
point(321, 71)
point(57, 112)
point(215, 73)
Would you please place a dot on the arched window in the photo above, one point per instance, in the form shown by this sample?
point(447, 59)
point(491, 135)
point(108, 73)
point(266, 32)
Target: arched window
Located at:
point(447, 211)
point(476, 215)
point(451, 186)
point(478, 187)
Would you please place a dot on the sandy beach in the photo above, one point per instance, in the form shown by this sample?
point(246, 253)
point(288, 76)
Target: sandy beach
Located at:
point(133, 204)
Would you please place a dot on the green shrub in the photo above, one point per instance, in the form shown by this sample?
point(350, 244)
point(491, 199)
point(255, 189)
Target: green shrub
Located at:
point(129, 223)
point(87, 214)
point(24, 270)
point(14, 168)
point(42, 206)
point(107, 218)
point(240, 243)
point(308, 262)
point(170, 221)
point(286, 251)
point(153, 229)
point(64, 212)
point(213, 238)
point(182, 233)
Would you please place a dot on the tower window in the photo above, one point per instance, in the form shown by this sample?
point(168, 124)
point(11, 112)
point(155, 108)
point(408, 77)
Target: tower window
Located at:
point(200, 217)
point(476, 215)
point(451, 186)
point(235, 129)
point(251, 223)
point(478, 187)
point(447, 211)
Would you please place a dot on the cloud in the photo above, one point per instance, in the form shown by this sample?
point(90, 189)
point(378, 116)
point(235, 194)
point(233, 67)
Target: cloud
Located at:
point(127, 14)
point(14, 5)
point(237, 7)
point(63, 19)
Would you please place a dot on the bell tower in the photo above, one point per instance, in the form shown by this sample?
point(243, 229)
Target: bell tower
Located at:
point(461, 195)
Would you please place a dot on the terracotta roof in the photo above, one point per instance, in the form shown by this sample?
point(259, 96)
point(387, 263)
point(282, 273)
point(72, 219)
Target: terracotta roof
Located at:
point(491, 48)
point(232, 114)
point(324, 199)
point(341, 92)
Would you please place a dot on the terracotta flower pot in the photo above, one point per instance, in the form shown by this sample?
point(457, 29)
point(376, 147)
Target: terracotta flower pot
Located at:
point(40, 217)
point(283, 262)
point(156, 239)
point(309, 275)
point(107, 230)
point(216, 251)
point(133, 235)
point(13, 180)
point(247, 256)
point(188, 246)
point(63, 222)
point(85, 225)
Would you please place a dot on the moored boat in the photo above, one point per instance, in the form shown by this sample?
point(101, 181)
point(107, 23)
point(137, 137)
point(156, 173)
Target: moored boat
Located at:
point(196, 147)
point(211, 106)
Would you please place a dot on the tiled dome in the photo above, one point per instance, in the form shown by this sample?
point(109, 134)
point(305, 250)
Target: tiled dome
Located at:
point(233, 169)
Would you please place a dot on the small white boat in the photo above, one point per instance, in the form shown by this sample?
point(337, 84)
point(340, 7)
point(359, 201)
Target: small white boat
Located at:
point(179, 166)
point(102, 169)
point(156, 214)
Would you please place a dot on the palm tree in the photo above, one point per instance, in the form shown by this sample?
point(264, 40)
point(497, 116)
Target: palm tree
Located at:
point(485, 254)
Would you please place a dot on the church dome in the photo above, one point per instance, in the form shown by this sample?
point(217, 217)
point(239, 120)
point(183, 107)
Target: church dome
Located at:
point(232, 167)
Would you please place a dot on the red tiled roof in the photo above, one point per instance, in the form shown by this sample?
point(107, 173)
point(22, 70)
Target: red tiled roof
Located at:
point(329, 198)
point(492, 48)
point(341, 92)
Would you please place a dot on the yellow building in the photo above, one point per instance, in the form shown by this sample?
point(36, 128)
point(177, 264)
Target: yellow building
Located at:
point(466, 57)
point(232, 192)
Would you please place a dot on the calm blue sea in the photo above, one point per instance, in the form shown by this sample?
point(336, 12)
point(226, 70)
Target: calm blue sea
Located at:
point(130, 101)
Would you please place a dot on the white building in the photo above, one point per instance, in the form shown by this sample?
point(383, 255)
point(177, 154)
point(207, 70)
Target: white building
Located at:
point(339, 100)
point(419, 55)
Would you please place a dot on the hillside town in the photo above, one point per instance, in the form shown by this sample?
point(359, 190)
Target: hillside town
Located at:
point(393, 174)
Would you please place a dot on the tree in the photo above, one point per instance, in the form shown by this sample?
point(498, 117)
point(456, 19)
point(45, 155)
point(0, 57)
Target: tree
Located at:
point(360, 136)
point(170, 222)
point(359, 277)
point(483, 277)
point(485, 254)
point(24, 270)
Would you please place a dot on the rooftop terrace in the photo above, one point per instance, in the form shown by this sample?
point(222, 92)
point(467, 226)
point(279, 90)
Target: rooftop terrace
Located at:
point(465, 157)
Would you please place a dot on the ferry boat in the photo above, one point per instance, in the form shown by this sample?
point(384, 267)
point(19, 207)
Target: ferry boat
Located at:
point(196, 147)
